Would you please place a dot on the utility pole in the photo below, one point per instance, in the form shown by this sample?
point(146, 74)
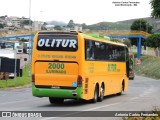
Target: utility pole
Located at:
point(40, 20)
point(30, 28)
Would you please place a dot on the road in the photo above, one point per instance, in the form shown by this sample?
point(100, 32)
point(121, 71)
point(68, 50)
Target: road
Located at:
point(143, 94)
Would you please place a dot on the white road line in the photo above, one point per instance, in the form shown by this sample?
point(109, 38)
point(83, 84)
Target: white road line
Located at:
point(134, 98)
point(19, 101)
point(95, 108)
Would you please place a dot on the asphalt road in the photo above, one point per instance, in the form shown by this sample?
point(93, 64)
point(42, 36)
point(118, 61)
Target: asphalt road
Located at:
point(143, 94)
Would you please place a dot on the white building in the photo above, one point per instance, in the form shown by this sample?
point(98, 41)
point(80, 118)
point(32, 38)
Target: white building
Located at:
point(16, 21)
point(36, 25)
point(50, 27)
point(78, 28)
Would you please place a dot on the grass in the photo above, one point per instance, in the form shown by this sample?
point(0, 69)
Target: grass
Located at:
point(19, 81)
point(150, 67)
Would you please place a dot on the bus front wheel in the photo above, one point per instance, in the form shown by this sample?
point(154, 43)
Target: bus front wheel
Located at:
point(122, 89)
point(55, 100)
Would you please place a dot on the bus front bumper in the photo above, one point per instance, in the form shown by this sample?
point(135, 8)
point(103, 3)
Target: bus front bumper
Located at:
point(57, 93)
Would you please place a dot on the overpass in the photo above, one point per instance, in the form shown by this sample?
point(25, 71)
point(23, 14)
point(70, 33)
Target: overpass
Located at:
point(139, 35)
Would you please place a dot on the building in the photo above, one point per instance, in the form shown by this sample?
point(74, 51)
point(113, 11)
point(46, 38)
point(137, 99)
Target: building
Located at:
point(36, 25)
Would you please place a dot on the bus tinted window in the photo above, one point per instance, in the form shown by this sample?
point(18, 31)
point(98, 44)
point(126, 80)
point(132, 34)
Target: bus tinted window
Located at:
point(103, 51)
point(57, 43)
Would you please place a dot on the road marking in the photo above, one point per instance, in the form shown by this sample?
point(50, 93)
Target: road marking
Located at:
point(134, 98)
point(100, 107)
point(16, 101)
point(95, 108)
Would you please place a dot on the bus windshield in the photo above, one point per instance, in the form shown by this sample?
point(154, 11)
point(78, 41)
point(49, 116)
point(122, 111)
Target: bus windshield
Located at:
point(57, 43)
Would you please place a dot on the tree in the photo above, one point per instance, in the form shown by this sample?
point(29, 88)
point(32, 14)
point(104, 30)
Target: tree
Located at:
point(153, 40)
point(71, 24)
point(27, 22)
point(45, 23)
point(155, 5)
point(140, 25)
point(84, 26)
point(114, 40)
point(127, 42)
point(57, 27)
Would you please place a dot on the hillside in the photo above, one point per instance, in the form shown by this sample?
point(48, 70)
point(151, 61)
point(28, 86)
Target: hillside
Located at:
point(109, 26)
point(120, 25)
point(150, 67)
point(148, 19)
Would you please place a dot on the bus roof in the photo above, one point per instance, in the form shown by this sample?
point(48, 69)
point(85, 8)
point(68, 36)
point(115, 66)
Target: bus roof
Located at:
point(86, 35)
point(102, 39)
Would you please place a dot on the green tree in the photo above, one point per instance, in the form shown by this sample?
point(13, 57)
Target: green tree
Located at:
point(57, 27)
point(45, 23)
point(153, 40)
point(84, 26)
point(27, 22)
point(114, 40)
point(155, 5)
point(71, 24)
point(127, 42)
point(140, 25)
point(1, 26)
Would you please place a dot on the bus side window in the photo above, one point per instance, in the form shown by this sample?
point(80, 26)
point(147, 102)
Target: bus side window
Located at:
point(89, 50)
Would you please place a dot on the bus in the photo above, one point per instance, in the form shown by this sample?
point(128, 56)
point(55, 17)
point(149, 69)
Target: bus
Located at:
point(73, 65)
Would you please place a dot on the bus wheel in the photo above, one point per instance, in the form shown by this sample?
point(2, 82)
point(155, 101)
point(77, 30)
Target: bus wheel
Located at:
point(55, 100)
point(122, 88)
point(100, 98)
point(95, 98)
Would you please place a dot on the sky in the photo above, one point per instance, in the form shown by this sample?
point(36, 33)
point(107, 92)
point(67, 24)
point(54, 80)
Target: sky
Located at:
point(80, 11)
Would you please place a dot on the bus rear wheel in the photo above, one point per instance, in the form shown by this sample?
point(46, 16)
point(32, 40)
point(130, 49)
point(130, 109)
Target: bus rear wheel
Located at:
point(56, 100)
point(100, 98)
point(95, 98)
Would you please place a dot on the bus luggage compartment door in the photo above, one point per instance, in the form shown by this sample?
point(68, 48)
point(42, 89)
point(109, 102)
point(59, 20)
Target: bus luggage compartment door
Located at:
point(56, 74)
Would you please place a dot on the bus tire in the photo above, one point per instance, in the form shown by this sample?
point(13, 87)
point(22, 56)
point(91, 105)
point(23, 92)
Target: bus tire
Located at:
point(100, 98)
point(122, 89)
point(56, 100)
point(95, 97)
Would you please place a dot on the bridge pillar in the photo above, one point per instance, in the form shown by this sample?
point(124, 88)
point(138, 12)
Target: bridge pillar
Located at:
point(139, 47)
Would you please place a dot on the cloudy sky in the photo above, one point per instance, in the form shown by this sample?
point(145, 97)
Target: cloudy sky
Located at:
point(80, 11)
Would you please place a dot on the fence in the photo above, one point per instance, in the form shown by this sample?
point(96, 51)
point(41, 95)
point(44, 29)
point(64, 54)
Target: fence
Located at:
point(148, 51)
